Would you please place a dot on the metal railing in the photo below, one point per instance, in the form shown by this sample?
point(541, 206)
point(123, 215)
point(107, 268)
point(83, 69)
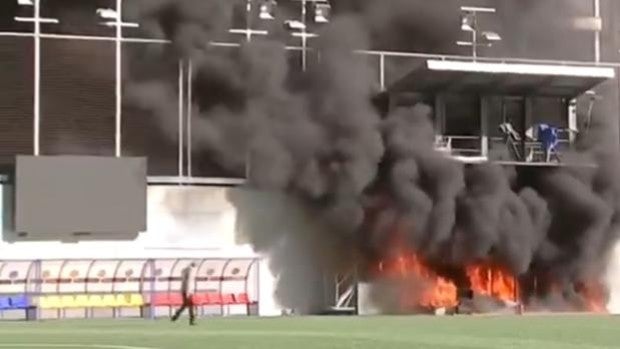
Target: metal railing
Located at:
point(446, 144)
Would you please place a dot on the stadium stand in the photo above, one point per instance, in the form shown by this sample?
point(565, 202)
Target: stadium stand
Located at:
point(49, 289)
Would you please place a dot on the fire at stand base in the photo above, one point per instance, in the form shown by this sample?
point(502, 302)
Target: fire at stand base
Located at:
point(413, 287)
point(405, 284)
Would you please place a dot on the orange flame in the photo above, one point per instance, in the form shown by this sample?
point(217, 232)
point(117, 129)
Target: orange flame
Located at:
point(594, 297)
point(493, 282)
point(434, 291)
point(437, 292)
point(431, 290)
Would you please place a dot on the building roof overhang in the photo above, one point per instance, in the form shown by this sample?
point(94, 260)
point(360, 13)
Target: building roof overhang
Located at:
point(455, 76)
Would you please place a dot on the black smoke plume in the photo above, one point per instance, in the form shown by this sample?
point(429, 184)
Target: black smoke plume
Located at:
point(331, 180)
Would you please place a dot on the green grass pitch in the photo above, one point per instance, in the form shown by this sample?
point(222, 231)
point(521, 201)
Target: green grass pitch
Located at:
point(525, 332)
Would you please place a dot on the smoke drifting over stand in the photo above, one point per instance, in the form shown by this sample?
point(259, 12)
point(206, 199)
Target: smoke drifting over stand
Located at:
point(333, 183)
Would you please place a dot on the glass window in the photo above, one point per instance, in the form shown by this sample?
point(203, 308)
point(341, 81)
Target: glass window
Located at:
point(552, 111)
point(463, 121)
point(462, 115)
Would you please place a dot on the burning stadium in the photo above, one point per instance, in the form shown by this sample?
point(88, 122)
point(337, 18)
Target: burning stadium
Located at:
point(347, 176)
point(420, 157)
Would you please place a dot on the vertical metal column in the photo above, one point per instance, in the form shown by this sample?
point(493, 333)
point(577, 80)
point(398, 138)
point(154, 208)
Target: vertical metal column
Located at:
point(304, 37)
point(440, 115)
point(484, 126)
point(38, 285)
point(37, 20)
point(528, 118)
point(119, 82)
point(37, 77)
point(181, 143)
point(382, 71)
point(573, 125)
point(248, 21)
point(474, 40)
point(597, 32)
point(151, 263)
point(257, 287)
point(189, 117)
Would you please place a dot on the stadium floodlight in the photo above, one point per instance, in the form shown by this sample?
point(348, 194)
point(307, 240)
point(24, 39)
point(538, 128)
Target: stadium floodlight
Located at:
point(267, 10)
point(475, 9)
point(467, 22)
point(322, 13)
point(113, 18)
point(491, 36)
point(35, 19)
point(107, 13)
point(294, 25)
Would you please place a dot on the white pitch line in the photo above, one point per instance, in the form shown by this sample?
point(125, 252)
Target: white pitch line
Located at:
point(50, 345)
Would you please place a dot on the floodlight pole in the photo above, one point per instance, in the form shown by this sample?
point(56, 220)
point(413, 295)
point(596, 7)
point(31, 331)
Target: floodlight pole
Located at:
point(37, 78)
point(304, 38)
point(597, 33)
point(248, 18)
point(473, 11)
point(119, 76)
point(181, 97)
point(118, 24)
point(37, 20)
point(189, 116)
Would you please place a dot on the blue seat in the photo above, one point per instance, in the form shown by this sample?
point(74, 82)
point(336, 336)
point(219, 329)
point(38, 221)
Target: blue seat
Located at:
point(19, 302)
point(5, 303)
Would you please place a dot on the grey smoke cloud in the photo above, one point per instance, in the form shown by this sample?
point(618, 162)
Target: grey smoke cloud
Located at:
point(332, 182)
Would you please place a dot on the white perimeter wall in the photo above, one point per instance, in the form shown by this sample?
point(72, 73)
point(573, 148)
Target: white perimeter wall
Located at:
point(182, 222)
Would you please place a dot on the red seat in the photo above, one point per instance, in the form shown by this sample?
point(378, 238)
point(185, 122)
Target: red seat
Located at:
point(167, 299)
point(228, 299)
point(213, 299)
point(175, 299)
point(242, 298)
point(160, 299)
point(200, 299)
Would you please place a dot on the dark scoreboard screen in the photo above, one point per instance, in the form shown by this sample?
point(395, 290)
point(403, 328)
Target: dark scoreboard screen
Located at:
point(79, 194)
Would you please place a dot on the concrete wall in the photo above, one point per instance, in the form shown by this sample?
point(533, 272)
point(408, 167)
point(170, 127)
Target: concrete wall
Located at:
point(183, 222)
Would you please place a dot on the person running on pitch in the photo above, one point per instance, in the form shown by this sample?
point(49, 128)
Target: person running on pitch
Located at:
point(188, 288)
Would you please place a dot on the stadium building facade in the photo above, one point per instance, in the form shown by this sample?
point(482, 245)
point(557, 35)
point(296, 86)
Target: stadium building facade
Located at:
point(64, 64)
point(76, 96)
